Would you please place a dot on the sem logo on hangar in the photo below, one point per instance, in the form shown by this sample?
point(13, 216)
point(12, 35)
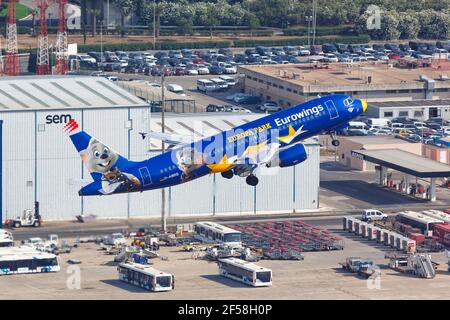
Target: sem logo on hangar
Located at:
point(58, 118)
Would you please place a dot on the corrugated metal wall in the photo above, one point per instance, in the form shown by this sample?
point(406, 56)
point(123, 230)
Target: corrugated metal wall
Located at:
point(41, 163)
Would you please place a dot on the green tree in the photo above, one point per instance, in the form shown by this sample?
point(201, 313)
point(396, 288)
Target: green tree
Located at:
point(252, 21)
point(94, 14)
point(125, 7)
point(409, 25)
point(212, 19)
point(185, 26)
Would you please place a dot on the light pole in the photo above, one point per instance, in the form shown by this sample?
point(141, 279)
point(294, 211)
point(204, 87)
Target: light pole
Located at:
point(309, 20)
point(101, 43)
point(107, 14)
point(154, 24)
point(163, 149)
point(314, 15)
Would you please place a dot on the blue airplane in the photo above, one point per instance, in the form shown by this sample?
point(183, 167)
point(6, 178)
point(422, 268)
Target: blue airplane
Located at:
point(271, 141)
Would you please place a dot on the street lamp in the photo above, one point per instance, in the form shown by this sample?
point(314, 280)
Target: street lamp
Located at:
point(163, 148)
point(309, 20)
point(154, 24)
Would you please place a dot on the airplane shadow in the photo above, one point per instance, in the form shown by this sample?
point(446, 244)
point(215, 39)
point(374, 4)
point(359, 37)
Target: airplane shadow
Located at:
point(124, 286)
point(367, 192)
point(225, 281)
point(334, 166)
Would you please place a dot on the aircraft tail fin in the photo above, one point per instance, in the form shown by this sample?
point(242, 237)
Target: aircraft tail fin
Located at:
point(98, 158)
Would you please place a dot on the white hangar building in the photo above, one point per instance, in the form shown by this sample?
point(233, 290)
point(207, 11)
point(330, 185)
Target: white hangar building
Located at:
point(41, 164)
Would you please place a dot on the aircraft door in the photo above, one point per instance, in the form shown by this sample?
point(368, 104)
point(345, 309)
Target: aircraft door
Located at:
point(332, 110)
point(145, 175)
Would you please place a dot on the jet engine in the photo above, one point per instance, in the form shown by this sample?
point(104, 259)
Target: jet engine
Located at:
point(289, 157)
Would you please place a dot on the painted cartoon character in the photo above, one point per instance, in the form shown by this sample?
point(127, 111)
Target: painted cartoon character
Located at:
point(188, 160)
point(100, 159)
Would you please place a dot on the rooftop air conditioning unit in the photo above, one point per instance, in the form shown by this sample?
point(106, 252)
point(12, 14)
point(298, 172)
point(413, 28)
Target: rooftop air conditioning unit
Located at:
point(443, 77)
point(423, 77)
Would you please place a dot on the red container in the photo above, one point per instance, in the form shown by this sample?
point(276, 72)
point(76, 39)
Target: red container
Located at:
point(442, 232)
point(418, 237)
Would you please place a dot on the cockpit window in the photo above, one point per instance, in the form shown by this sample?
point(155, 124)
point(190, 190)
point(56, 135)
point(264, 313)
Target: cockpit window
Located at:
point(348, 102)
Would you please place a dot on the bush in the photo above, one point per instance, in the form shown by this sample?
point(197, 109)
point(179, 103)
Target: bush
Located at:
point(301, 41)
point(144, 46)
point(320, 31)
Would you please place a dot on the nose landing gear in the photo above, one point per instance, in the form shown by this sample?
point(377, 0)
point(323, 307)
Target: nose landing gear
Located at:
point(335, 142)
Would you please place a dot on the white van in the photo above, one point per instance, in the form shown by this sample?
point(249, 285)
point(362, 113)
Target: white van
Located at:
point(220, 84)
point(231, 81)
point(175, 88)
point(205, 85)
point(379, 122)
point(357, 125)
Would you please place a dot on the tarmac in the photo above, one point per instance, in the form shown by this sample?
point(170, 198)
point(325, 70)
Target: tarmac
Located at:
point(319, 276)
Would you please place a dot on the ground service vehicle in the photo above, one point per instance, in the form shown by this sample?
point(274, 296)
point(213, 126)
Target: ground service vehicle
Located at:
point(26, 260)
point(245, 272)
point(211, 232)
point(373, 215)
point(146, 277)
point(357, 265)
point(205, 85)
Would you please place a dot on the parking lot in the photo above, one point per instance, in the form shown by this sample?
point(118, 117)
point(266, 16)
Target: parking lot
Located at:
point(184, 67)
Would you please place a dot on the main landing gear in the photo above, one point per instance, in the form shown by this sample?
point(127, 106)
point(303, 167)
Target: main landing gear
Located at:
point(335, 142)
point(228, 174)
point(252, 180)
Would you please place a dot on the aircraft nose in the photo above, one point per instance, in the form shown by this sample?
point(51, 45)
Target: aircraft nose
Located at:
point(364, 105)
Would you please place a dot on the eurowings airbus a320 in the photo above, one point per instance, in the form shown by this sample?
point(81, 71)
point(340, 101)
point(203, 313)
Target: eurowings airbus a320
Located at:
point(273, 140)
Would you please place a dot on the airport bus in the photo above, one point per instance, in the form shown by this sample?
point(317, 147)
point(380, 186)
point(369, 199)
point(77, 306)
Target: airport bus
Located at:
point(211, 232)
point(6, 242)
point(6, 234)
point(145, 277)
point(246, 272)
point(14, 260)
point(437, 214)
point(418, 220)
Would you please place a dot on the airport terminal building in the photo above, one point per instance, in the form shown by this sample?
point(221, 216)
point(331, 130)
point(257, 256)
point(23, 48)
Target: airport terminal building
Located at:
point(392, 91)
point(41, 164)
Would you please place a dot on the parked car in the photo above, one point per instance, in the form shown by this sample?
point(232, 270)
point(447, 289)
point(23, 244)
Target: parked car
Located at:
point(270, 107)
point(247, 99)
point(214, 108)
point(175, 88)
point(373, 215)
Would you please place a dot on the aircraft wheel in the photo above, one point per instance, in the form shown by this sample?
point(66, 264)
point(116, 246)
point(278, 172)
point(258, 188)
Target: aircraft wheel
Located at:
point(228, 174)
point(335, 143)
point(252, 180)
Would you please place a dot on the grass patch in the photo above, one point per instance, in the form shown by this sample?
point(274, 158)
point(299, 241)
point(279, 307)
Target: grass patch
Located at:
point(21, 11)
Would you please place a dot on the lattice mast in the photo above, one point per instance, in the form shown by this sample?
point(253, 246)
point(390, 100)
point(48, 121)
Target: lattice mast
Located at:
point(12, 67)
point(43, 59)
point(62, 58)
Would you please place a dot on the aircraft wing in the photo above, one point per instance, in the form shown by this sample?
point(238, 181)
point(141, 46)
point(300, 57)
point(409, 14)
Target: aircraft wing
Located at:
point(170, 138)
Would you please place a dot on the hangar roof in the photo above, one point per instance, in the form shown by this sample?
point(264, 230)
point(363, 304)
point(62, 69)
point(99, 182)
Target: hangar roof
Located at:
point(406, 162)
point(62, 92)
